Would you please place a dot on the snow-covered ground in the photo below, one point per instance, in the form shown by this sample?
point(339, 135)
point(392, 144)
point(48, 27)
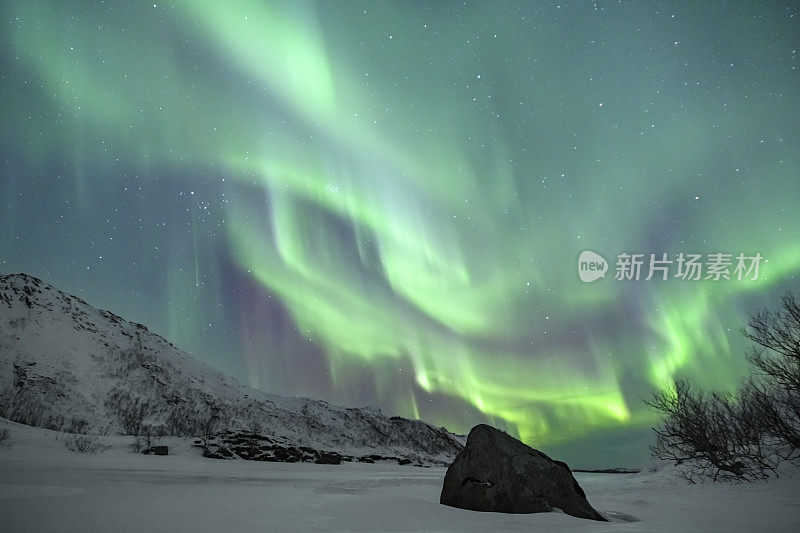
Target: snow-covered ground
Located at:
point(45, 487)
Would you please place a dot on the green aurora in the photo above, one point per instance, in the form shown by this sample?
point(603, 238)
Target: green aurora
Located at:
point(384, 202)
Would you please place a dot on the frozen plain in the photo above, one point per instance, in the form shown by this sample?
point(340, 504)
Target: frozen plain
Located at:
point(45, 487)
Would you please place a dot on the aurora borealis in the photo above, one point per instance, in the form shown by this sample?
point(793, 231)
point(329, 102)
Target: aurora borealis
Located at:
point(384, 202)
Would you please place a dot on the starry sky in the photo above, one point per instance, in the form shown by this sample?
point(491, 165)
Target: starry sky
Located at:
point(384, 203)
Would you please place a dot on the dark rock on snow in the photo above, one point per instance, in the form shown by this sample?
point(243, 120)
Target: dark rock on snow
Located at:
point(156, 450)
point(496, 472)
point(288, 455)
point(252, 447)
point(326, 458)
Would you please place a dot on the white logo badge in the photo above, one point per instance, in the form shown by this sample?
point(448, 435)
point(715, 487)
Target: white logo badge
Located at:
point(591, 266)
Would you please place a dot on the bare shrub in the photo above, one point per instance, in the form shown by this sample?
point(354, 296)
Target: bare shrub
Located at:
point(709, 435)
point(138, 445)
point(83, 444)
point(144, 441)
point(209, 427)
point(775, 359)
point(744, 436)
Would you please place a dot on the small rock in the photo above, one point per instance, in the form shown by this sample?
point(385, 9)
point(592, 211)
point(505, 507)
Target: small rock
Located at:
point(328, 458)
point(156, 450)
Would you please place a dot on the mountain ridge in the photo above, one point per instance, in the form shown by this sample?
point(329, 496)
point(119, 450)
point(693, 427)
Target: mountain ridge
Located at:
point(68, 366)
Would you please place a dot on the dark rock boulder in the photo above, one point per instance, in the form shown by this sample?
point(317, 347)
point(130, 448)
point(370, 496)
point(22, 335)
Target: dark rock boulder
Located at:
point(496, 472)
point(156, 450)
point(328, 458)
point(288, 455)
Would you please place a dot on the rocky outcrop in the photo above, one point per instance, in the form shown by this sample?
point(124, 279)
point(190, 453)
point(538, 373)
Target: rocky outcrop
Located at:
point(496, 472)
point(254, 447)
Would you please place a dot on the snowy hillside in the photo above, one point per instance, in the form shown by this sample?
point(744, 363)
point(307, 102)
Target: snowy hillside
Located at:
point(65, 365)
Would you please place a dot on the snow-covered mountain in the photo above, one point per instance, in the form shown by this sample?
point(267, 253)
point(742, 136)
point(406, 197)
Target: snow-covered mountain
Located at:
point(65, 365)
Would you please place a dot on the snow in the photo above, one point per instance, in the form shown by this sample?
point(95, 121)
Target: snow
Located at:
point(45, 487)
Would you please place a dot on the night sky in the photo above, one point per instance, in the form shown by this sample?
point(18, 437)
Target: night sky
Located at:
point(383, 203)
